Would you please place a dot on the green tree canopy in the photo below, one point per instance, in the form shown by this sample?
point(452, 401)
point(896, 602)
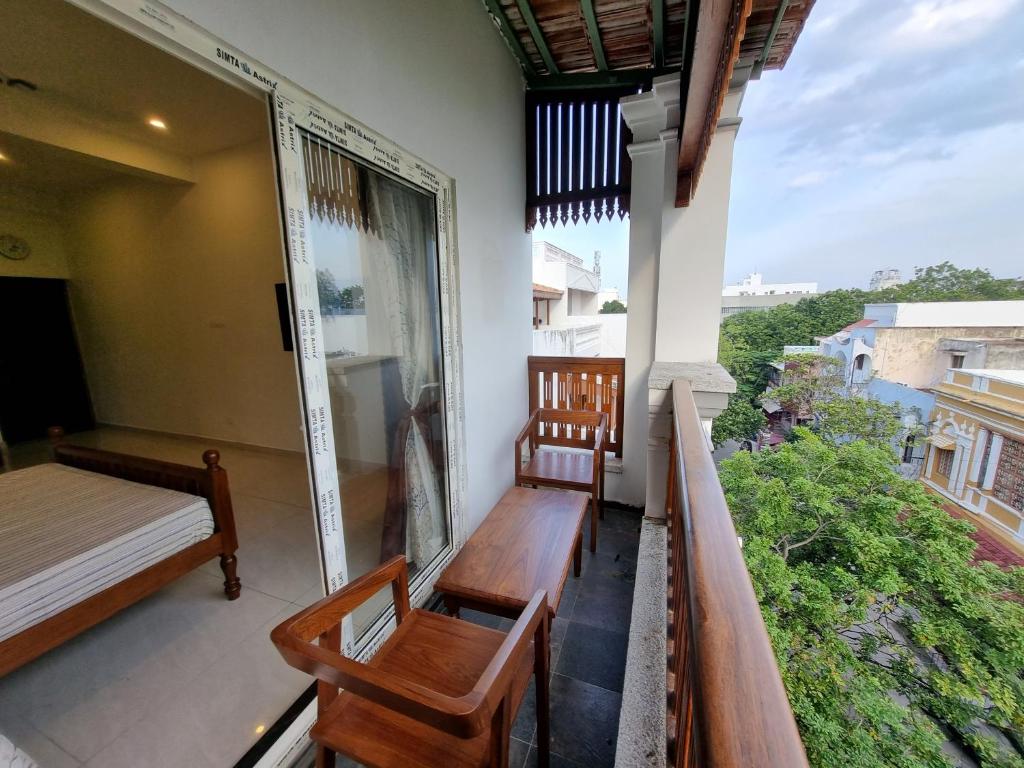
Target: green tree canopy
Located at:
point(613, 307)
point(893, 647)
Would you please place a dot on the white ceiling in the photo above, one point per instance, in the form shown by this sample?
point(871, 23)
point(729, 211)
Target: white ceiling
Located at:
point(113, 82)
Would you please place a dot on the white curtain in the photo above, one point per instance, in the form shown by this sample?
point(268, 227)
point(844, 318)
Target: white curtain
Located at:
point(401, 255)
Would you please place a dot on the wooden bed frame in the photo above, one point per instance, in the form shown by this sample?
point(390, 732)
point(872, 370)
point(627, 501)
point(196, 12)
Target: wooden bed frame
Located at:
point(211, 483)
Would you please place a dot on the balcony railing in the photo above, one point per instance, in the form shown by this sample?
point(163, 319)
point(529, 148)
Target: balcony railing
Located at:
point(580, 384)
point(727, 706)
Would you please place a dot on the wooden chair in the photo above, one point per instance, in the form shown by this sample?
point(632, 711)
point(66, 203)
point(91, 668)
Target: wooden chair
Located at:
point(570, 470)
point(439, 692)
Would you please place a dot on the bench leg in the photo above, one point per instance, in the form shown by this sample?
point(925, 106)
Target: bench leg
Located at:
point(542, 680)
point(325, 758)
point(577, 553)
point(452, 606)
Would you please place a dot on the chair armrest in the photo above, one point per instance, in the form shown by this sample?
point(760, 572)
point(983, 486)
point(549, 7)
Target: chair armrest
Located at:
point(600, 432)
point(532, 624)
point(328, 612)
point(527, 432)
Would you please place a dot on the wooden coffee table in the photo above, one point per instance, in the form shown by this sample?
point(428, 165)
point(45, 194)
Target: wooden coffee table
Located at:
point(524, 544)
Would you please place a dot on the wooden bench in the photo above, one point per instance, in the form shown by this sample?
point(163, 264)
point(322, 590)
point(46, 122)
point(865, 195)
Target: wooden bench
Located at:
point(525, 544)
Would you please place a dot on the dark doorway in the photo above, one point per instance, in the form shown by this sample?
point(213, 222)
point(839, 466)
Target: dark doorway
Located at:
point(42, 382)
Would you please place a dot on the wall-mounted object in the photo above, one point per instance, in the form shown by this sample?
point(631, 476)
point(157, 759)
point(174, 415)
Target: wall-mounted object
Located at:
point(14, 248)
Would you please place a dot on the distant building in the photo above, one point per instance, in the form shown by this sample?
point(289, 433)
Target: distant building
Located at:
point(753, 294)
point(914, 343)
point(885, 278)
point(976, 448)
point(567, 298)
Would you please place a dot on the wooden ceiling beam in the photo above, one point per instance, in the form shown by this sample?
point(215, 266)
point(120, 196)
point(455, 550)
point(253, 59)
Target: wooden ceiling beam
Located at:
point(494, 8)
point(658, 29)
point(595, 34)
point(714, 31)
point(538, 36)
point(770, 41)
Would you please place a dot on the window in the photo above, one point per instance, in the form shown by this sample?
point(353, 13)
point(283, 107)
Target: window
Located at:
point(858, 363)
point(1009, 480)
point(986, 453)
point(945, 463)
point(956, 361)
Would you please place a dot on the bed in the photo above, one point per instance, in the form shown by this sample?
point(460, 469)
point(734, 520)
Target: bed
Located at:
point(95, 531)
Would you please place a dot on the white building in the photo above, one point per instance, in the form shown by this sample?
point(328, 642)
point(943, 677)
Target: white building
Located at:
point(885, 278)
point(754, 285)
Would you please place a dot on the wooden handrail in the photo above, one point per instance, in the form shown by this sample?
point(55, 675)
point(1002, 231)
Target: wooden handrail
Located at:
point(727, 705)
point(581, 384)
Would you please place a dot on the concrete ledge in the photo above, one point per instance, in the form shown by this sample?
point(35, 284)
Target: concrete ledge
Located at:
point(642, 741)
point(703, 377)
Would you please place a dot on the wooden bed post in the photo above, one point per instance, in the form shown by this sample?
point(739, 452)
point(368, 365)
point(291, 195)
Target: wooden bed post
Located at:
point(224, 519)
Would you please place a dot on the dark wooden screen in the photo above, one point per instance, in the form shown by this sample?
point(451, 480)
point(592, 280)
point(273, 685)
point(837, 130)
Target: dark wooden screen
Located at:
point(576, 159)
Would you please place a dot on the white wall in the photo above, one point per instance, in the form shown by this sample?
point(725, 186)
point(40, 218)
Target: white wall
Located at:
point(437, 79)
point(945, 314)
point(39, 220)
point(173, 293)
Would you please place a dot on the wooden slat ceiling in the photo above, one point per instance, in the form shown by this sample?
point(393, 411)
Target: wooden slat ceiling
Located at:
point(552, 38)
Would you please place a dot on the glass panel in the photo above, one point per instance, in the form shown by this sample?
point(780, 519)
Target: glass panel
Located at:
point(375, 246)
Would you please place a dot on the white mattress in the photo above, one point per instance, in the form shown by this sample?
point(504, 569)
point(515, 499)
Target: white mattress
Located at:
point(67, 534)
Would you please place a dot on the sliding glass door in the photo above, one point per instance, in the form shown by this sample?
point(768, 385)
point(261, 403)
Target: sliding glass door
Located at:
point(374, 244)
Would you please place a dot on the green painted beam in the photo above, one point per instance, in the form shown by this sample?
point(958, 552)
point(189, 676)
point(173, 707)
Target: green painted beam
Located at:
point(595, 33)
point(776, 23)
point(510, 36)
point(658, 16)
point(580, 80)
point(538, 36)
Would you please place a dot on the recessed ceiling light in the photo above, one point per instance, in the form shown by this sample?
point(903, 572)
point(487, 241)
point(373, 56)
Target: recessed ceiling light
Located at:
point(3, 157)
point(156, 122)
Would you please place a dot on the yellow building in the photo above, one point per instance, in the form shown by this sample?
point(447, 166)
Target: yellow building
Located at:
point(976, 449)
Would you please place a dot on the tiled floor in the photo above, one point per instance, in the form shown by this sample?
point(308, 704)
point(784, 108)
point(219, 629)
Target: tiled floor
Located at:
point(588, 655)
point(185, 677)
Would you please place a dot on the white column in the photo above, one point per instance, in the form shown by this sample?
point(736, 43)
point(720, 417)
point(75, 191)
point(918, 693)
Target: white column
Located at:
point(960, 460)
point(692, 266)
point(676, 266)
point(993, 462)
point(650, 117)
point(979, 452)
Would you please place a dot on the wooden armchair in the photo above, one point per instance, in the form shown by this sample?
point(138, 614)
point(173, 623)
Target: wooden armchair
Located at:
point(439, 692)
point(571, 470)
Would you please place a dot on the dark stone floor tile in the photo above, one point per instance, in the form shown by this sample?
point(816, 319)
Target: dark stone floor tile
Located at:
point(555, 761)
point(594, 655)
point(618, 545)
point(518, 753)
point(525, 724)
point(601, 606)
point(584, 721)
point(488, 620)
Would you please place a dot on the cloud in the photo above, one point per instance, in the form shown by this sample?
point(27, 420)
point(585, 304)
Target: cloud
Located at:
point(834, 83)
point(944, 23)
point(809, 179)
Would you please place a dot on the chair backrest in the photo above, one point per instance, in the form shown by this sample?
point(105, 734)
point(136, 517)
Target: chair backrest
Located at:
point(592, 384)
point(573, 429)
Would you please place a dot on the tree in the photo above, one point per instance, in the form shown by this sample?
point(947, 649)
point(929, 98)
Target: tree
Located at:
point(740, 421)
point(891, 644)
point(809, 380)
point(945, 282)
point(613, 307)
point(327, 288)
point(353, 297)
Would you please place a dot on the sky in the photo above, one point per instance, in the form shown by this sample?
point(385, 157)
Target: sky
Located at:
point(894, 137)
